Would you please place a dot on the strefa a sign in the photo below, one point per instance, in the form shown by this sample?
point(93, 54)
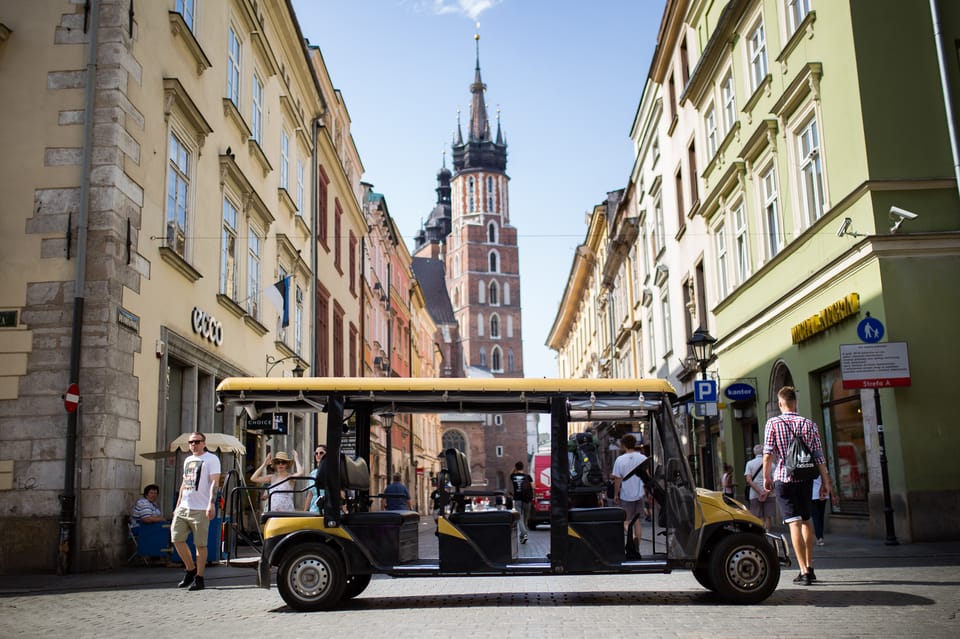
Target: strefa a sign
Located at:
point(739, 392)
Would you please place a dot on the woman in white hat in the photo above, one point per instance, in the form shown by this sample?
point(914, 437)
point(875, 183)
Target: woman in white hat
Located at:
point(280, 493)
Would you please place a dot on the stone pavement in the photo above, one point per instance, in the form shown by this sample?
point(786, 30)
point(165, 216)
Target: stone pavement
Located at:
point(866, 589)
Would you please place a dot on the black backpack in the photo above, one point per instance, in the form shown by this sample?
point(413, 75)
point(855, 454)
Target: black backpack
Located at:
point(799, 460)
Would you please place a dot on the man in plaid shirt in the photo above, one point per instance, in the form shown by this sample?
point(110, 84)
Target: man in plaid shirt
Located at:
point(794, 497)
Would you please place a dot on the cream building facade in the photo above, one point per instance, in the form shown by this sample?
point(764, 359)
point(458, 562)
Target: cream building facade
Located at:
point(168, 187)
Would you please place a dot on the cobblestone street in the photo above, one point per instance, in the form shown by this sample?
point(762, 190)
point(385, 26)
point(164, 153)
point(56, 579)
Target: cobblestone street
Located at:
point(865, 589)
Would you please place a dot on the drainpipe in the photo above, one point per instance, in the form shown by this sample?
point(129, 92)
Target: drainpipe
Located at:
point(68, 500)
point(947, 93)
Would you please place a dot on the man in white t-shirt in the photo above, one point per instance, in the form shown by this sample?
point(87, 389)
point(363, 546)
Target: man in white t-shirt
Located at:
point(763, 504)
point(196, 506)
point(628, 493)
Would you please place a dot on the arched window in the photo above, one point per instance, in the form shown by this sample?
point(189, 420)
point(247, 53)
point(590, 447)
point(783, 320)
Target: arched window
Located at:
point(483, 357)
point(471, 193)
point(493, 261)
point(492, 233)
point(495, 326)
point(494, 294)
point(480, 324)
point(456, 439)
point(490, 194)
point(481, 292)
point(496, 365)
point(506, 293)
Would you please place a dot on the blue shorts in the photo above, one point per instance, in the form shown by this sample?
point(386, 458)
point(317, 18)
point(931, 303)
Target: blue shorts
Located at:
point(794, 499)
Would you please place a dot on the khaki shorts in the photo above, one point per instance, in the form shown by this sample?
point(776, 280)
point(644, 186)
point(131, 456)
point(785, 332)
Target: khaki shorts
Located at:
point(190, 521)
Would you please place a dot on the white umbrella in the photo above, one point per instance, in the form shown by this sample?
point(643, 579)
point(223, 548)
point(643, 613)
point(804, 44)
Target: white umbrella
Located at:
point(215, 442)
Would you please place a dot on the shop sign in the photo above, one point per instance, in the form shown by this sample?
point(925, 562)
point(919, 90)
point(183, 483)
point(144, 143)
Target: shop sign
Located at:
point(883, 365)
point(128, 320)
point(269, 424)
point(207, 326)
point(740, 392)
point(827, 317)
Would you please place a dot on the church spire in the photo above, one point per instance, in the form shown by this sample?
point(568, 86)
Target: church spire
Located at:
point(479, 124)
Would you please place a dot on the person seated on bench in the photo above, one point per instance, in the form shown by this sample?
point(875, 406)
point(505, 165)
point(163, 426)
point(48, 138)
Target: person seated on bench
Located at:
point(280, 492)
point(145, 510)
point(396, 496)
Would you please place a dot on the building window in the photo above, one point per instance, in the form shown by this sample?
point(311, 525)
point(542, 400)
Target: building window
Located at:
point(354, 337)
point(188, 9)
point(678, 186)
point(684, 62)
point(298, 319)
point(483, 357)
point(797, 10)
point(494, 294)
point(323, 333)
point(729, 98)
point(256, 109)
point(254, 248)
point(481, 292)
point(229, 285)
point(659, 234)
point(509, 326)
point(655, 153)
point(757, 50)
point(299, 186)
point(511, 365)
point(692, 165)
point(811, 177)
point(845, 447)
point(284, 160)
point(506, 293)
point(322, 224)
point(494, 327)
point(233, 67)
point(710, 131)
point(472, 195)
point(281, 329)
point(771, 206)
point(651, 341)
point(721, 239)
point(496, 363)
point(353, 263)
point(480, 325)
point(665, 318)
point(337, 240)
point(493, 261)
point(742, 243)
point(490, 194)
point(178, 193)
point(338, 314)
point(492, 233)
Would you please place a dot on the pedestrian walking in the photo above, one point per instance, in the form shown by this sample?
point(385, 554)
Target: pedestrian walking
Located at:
point(396, 496)
point(196, 506)
point(522, 497)
point(628, 492)
point(793, 497)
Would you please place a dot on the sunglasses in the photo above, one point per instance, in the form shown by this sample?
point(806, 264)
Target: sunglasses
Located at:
point(196, 441)
point(280, 461)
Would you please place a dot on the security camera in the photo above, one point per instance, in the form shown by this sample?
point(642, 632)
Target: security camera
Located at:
point(844, 225)
point(898, 215)
point(903, 214)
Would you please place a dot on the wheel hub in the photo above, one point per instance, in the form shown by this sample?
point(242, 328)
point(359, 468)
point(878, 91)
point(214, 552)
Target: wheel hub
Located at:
point(746, 567)
point(310, 577)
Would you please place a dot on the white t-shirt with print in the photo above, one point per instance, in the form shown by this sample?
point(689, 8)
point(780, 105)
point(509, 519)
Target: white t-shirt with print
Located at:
point(196, 486)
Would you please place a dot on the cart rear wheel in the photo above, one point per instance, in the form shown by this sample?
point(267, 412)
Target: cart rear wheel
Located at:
point(744, 568)
point(311, 577)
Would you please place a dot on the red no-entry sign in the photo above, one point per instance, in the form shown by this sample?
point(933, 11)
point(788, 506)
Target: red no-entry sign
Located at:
point(72, 398)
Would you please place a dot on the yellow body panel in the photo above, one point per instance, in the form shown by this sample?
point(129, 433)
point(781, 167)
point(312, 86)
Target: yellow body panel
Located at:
point(279, 526)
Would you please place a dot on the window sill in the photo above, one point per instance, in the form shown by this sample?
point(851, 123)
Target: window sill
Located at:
point(176, 261)
point(178, 27)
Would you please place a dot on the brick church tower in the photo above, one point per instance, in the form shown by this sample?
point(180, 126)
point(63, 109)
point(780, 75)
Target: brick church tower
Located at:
point(478, 247)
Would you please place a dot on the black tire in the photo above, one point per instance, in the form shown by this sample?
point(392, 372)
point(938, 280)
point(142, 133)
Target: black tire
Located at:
point(702, 574)
point(311, 577)
point(743, 568)
point(354, 586)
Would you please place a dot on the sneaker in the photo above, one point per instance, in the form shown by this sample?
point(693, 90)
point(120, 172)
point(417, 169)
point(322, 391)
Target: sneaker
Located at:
point(523, 539)
point(799, 579)
point(808, 579)
point(188, 577)
point(197, 584)
point(812, 575)
point(821, 542)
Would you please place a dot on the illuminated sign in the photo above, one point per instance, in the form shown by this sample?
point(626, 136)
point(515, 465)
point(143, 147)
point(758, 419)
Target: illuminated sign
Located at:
point(829, 316)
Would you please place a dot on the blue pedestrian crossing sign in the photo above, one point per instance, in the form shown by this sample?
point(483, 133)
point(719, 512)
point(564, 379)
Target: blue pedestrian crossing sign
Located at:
point(705, 390)
point(870, 330)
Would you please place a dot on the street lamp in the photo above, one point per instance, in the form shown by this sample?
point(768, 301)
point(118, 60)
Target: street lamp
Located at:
point(702, 343)
point(387, 419)
point(298, 369)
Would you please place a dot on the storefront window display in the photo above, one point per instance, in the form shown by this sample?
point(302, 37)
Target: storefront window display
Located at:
point(845, 445)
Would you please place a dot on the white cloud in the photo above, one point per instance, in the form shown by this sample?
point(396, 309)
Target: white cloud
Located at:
point(470, 8)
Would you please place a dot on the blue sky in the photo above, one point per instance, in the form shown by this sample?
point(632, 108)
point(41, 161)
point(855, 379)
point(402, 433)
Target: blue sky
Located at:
point(567, 76)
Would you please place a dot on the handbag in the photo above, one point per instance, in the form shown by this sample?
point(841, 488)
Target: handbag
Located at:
point(799, 460)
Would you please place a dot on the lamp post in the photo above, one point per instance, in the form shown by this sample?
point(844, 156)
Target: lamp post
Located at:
point(702, 343)
point(387, 425)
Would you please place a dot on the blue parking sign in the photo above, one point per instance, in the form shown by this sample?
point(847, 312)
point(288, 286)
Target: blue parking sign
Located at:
point(705, 390)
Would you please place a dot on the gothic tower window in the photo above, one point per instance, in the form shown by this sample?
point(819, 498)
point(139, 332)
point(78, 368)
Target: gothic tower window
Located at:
point(493, 261)
point(496, 363)
point(492, 233)
point(490, 194)
point(495, 326)
point(494, 294)
point(483, 357)
point(471, 195)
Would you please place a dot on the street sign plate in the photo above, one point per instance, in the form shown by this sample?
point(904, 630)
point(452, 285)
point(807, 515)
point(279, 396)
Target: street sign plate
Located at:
point(705, 390)
point(883, 365)
point(72, 398)
point(870, 330)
